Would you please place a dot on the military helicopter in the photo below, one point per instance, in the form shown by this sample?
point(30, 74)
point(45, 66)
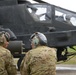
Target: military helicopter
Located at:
point(21, 18)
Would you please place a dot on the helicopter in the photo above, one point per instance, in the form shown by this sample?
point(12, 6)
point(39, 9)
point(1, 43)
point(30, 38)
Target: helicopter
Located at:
point(21, 19)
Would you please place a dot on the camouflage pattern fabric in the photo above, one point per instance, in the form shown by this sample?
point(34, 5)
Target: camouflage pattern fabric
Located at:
point(7, 66)
point(39, 61)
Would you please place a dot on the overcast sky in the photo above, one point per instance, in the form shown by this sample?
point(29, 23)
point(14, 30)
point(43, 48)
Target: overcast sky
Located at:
point(68, 4)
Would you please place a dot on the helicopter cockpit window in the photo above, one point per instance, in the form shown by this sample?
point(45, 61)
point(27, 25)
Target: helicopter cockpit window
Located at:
point(40, 12)
point(66, 16)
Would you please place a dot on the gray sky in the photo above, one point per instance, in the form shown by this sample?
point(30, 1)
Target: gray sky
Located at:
point(67, 4)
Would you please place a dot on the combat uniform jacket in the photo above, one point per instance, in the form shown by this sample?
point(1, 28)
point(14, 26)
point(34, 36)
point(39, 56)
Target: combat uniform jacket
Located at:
point(39, 61)
point(7, 66)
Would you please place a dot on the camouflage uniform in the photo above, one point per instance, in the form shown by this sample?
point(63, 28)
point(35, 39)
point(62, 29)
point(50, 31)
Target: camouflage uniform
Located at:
point(39, 61)
point(6, 62)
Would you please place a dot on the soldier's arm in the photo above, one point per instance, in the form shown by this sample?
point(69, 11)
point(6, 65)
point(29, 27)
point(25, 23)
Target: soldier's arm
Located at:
point(24, 68)
point(2, 67)
point(10, 66)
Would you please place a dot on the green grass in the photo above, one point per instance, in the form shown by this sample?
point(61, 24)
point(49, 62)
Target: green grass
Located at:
point(71, 59)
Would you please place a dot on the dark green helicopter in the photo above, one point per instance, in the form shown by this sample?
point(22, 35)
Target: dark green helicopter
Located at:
point(21, 18)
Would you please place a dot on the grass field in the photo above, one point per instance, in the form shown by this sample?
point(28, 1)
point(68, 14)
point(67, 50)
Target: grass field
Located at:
point(71, 59)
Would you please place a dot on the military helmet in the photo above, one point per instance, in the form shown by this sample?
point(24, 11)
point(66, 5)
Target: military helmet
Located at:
point(7, 36)
point(38, 39)
point(3, 36)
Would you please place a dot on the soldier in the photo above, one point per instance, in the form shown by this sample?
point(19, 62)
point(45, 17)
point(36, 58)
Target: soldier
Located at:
point(41, 60)
point(7, 66)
